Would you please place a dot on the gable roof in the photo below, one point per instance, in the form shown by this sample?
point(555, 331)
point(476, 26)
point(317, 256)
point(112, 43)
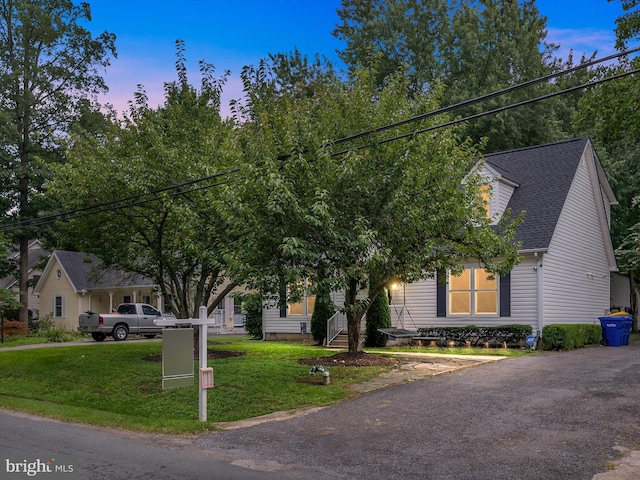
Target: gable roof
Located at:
point(544, 175)
point(85, 273)
point(35, 254)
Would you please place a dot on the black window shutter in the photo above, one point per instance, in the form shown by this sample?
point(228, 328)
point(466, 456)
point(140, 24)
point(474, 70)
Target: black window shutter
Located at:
point(283, 300)
point(505, 295)
point(441, 294)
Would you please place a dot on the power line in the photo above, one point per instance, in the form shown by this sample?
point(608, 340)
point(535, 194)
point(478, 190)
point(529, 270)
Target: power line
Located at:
point(494, 111)
point(482, 98)
point(139, 199)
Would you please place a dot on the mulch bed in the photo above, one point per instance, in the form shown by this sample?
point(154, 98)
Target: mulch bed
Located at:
point(355, 359)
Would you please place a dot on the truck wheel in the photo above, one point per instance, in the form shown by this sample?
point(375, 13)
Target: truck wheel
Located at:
point(99, 337)
point(120, 332)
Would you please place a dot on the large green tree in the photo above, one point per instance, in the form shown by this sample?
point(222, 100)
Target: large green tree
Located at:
point(472, 48)
point(358, 214)
point(49, 63)
point(164, 223)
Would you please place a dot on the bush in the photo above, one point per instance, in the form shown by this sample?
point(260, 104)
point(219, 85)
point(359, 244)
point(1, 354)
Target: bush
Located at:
point(14, 328)
point(378, 316)
point(59, 335)
point(252, 310)
point(323, 310)
point(570, 336)
point(43, 325)
point(509, 335)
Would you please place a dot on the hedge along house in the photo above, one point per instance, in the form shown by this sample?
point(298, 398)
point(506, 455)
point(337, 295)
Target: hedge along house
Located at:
point(566, 252)
point(73, 282)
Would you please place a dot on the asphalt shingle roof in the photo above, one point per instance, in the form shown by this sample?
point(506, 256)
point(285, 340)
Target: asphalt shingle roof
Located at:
point(544, 174)
point(84, 272)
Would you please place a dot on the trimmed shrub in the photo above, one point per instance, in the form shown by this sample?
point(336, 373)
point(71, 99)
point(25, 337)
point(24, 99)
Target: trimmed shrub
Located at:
point(251, 305)
point(569, 336)
point(473, 336)
point(323, 310)
point(378, 316)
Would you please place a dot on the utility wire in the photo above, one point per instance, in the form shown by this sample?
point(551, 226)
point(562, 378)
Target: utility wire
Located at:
point(492, 112)
point(482, 98)
point(138, 199)
point(131, 201)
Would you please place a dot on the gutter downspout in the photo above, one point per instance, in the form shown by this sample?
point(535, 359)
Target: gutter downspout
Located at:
point(539, 293)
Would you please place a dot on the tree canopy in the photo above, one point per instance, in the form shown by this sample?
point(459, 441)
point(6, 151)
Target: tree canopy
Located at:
point(364, 212)
point(471, 49)
point(49, 63)
point(166, 226)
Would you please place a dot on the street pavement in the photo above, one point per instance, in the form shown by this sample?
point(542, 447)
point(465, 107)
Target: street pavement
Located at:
point(564, 415)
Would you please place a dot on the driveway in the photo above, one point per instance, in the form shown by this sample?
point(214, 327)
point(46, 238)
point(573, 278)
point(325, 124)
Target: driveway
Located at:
point(566, 415)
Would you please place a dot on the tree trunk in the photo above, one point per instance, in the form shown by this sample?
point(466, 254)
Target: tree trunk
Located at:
point(23, 280)
point(633, 301)
point(353, 317)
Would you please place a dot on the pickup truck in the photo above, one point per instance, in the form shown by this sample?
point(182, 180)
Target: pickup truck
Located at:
point(130, 318)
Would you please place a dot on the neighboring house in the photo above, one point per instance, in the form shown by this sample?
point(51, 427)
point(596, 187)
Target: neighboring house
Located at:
point(566, 251)
point(72, 283)
point(10, 282)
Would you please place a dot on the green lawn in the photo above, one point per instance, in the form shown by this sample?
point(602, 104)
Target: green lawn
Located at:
point(114, 384)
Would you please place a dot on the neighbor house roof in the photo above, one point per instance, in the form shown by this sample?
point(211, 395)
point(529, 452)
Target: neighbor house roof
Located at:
point(36, 253)
point(544, 175)
point(84, 271)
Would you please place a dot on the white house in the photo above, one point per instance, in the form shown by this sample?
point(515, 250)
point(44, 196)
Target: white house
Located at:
point(566, 250)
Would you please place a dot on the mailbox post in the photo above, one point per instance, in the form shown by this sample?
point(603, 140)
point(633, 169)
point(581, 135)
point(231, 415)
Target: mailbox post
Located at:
point(206, 373)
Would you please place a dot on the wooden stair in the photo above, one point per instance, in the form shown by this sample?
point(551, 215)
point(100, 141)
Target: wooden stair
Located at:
point(341, 341)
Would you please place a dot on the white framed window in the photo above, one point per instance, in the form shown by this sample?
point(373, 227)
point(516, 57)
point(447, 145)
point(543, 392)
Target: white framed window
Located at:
point(58, 306)
point(306, 303)
point(473, 292)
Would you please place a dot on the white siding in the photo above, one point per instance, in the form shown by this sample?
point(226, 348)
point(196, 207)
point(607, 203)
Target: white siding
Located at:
point(576, 268)
point(413, 305)
point(502, 194)
point(272, 323)
point(524, 293)
point(419, 302)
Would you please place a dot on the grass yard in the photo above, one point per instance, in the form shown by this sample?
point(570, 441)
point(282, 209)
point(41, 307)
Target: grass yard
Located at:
point(114, 384)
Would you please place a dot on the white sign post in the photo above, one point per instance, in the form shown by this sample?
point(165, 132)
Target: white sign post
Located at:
point(206, 373)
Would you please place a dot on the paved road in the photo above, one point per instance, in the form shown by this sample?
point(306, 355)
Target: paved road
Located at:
point(551, 416)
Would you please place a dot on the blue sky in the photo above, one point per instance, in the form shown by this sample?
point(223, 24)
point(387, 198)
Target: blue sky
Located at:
point(234, 33)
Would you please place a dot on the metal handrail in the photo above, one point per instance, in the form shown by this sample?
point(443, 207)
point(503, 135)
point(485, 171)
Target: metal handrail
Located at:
point(338, 322)
point(335, 325)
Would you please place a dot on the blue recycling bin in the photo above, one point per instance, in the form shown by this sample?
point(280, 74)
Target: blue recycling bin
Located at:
point(615, 330)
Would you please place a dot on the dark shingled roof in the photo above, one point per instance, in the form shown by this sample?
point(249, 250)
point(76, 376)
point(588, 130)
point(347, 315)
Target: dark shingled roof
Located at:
point(35, 255)
point(85, 274)
point(544, 174)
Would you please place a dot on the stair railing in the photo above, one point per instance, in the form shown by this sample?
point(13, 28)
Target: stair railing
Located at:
point(336, 324)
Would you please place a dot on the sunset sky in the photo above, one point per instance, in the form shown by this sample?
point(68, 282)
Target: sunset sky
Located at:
point(231, 34)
